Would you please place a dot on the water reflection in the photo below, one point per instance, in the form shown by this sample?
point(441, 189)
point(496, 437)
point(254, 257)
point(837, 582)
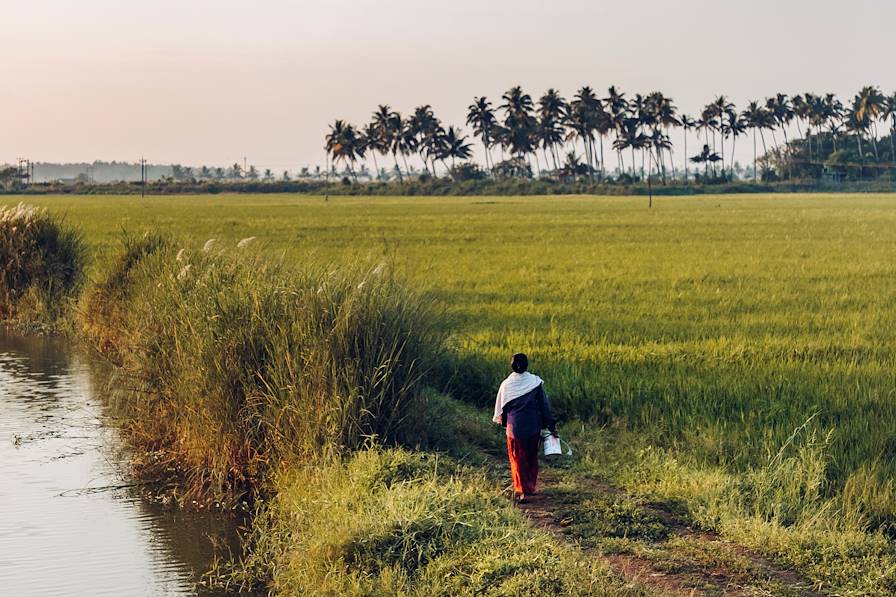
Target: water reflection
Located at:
point(71, 522)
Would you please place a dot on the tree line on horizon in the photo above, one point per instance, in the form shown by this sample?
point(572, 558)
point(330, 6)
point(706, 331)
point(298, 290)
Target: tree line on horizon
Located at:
point(574, 136)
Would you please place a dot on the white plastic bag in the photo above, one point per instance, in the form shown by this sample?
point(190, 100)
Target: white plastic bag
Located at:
point(553, 444)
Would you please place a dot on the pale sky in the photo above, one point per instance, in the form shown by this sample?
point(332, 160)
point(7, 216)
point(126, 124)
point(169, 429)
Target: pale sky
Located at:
point(208, 82)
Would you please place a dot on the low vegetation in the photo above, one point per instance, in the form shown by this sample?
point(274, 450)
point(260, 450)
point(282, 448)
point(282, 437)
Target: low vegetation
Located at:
point(42, 263)
point(779, 508)
point(400, 523)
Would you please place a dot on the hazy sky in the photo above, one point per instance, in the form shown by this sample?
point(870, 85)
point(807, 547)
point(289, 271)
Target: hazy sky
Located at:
point(208, 82)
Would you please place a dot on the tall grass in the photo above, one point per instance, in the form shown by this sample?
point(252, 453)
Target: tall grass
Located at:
point(106, 304)
point(245, 366)
point(398, 523)
point(779, 508)
point(41, 265)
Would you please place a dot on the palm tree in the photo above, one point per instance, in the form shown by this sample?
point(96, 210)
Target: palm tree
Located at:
point(706, 123)
point(551, 112)
point(734, 126)
point(832, 114)
point(659, 141)
point(858, 122)
point(389, 130)
point(482, 118)
point(687, 123)
point(869, 105)
point(372, 141)
point(425, 127)
point(588, 110)
point(657, 114)
point(519, 122)
point(631, 137)
point(717, 110)
point(889, 111)
point(800, 106)
point(617, 110)
point(435, 146)
point(782, 112)
point(756, 118)
point(454, 145)
point(706, 157)
point(581, 118)
point(342, 144)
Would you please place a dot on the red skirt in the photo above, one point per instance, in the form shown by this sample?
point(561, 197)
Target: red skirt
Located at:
point(523, 463)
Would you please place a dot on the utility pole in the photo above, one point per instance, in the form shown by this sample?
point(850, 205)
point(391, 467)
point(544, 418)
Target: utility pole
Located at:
point(650, 192)
point(142, 178)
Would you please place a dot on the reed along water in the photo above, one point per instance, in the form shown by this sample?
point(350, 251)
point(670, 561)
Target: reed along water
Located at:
point(72, 522)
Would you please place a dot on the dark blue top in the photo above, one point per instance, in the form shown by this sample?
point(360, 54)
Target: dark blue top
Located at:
point(527, 415)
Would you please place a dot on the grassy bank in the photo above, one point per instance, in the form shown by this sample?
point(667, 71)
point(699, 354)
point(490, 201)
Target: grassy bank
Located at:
point(245, 365)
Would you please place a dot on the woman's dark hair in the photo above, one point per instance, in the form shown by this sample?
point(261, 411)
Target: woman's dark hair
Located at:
point(519, 363)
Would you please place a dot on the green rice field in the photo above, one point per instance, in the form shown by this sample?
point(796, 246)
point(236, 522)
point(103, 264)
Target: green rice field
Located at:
point(733, 331)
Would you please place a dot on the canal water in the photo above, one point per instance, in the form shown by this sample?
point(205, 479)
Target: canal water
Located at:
point(71, 520)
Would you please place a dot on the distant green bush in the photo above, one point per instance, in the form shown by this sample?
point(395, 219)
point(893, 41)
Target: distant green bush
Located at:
point(471, 182)
point(41, 265)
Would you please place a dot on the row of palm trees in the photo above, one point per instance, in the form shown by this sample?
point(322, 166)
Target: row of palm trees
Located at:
point(389, 133)
point(555, 132)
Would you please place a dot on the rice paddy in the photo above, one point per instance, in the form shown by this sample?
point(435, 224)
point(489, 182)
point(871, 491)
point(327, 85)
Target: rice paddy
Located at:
point(750, 339)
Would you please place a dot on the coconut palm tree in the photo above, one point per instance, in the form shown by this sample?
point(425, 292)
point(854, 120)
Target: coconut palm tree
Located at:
point(482, 118)
point(660, 142)
point(372, 140)
point(519, 121)
point(582, 119)
point(869, 105)
point(390, 129)
point(755, 117)
point(800, 107)
point(889, 111)
point(706, 123)
point(716, 111)
point(454, 145)
point(706, 157)
point(617, 110)
point(425, 128)
point(590, 109)
point(687, 124)
point(343, 145)
point(857, 121)
point(781, 111)
point(657, 114)
point(734, 125)
point(832, 114)
point(551, 113)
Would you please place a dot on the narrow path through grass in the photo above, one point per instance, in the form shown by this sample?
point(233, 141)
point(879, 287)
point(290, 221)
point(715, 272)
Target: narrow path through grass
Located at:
point(649, 545)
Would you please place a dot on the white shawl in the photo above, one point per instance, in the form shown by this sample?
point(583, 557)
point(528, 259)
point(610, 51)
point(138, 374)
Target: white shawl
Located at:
point(516, 385)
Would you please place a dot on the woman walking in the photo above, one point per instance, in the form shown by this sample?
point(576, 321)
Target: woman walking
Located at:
point(522, 408)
